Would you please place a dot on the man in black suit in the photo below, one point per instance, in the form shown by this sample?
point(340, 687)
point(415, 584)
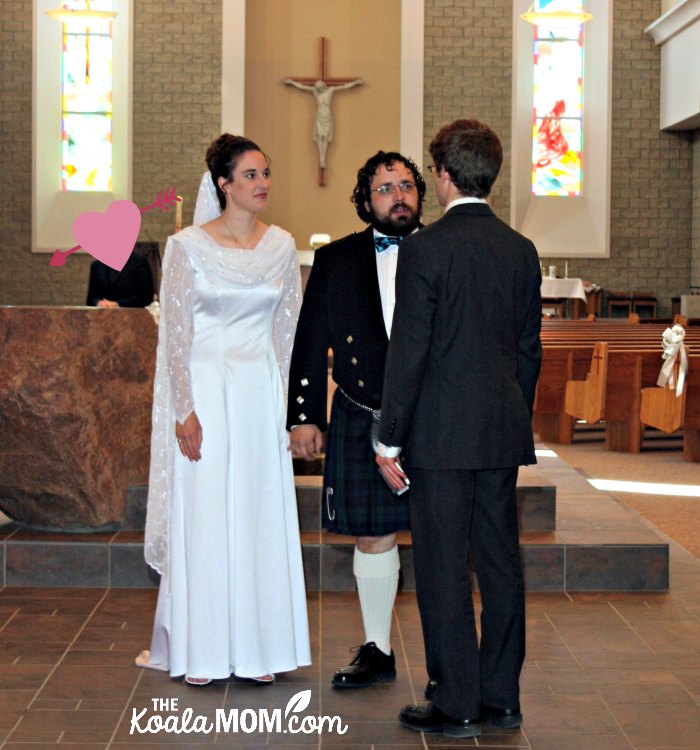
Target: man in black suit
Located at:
point(348, 307)
point(130, 287)
point(459, 387)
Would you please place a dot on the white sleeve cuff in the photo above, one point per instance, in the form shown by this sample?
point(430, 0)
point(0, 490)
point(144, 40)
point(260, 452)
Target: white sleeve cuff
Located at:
point(387, 451)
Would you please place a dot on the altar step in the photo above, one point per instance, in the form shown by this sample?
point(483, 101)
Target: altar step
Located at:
point(573, 538)
point(537, 501)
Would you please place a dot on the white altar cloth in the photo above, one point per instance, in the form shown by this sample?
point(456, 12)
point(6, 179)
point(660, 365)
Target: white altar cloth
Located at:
point(568, 288)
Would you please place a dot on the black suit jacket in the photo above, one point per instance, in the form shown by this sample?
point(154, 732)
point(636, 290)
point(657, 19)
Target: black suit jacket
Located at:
point(465, 349)
point(342, 310)
point(130, 287)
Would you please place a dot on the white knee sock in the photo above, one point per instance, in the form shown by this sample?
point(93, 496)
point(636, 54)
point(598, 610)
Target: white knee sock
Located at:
point(377, 577)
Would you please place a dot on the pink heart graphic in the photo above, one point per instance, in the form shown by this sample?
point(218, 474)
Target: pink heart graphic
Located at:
point(109, 237)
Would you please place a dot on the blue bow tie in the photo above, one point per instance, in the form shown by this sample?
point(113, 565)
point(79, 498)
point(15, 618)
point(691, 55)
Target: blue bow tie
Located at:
point(384, 243)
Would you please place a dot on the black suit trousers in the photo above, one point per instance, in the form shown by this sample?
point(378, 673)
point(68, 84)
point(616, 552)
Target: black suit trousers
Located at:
point(455, 513)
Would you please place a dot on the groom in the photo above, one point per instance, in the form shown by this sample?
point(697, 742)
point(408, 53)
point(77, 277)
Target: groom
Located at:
point(458, 393)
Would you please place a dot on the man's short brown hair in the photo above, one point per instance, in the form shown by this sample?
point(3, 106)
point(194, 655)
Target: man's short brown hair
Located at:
point(472, 155)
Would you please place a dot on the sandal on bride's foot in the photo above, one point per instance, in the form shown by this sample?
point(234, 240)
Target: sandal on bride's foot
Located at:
point(197, 681)
point(266, 679)
point(143, 661)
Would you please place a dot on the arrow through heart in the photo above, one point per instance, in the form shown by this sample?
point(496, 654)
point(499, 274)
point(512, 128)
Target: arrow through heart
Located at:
point(110, 236)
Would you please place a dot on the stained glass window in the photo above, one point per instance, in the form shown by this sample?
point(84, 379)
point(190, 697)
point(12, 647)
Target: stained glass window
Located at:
point(558, 107)
point(86, 159)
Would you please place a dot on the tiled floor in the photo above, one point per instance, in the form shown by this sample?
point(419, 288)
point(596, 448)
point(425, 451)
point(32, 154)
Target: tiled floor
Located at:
point(603, 671)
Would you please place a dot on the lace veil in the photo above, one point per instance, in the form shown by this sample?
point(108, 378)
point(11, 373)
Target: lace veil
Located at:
point(187, 253)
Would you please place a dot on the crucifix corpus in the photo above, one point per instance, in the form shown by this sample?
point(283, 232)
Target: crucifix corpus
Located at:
point(323, 89)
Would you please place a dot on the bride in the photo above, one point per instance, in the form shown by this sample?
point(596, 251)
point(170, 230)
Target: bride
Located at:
point(222, 526)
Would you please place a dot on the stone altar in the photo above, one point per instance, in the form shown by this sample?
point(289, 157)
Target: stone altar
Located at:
point(75, 412)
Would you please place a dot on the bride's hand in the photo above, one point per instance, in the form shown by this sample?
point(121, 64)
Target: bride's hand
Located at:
point(189, 437)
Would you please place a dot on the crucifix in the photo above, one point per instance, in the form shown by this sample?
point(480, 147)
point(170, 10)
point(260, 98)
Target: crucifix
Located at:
point(323, 89)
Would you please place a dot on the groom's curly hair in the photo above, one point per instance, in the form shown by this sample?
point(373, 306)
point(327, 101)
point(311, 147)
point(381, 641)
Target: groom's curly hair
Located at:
point(362, 193)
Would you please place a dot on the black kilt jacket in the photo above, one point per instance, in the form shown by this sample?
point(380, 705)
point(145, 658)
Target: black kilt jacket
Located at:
point(342, 310)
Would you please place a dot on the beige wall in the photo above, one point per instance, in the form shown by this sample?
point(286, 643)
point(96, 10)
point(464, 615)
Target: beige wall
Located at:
point(282, 39)
point(695, 228)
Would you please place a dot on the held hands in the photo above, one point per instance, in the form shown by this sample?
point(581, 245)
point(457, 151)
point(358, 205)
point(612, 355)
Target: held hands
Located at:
point(306, 441)
point(392, 472)
point(189, 437)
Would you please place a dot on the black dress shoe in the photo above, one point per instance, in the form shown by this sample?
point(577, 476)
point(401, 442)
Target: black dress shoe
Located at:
point(369, 666)
point(430, 689)
point(432, 720)
point(505, 718)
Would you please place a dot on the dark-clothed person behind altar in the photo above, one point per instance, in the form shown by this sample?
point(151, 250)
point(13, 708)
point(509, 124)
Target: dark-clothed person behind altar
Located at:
point(222, 525)
point(130, 287)
point(459, 386)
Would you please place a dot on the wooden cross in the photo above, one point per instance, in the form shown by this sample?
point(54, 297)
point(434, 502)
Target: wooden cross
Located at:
point(597, 359)
point(323, 87)
point(324, 70)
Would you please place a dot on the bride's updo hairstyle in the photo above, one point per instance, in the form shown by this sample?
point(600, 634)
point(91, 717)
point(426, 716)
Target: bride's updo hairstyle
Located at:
point(222, 157)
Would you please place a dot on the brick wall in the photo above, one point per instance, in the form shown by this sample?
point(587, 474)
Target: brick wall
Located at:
point(467, 72)
point(651, 172)
point(177, 102)
point(177, 113)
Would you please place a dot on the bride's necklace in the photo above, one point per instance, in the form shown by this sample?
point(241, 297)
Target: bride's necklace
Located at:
point(233, 234)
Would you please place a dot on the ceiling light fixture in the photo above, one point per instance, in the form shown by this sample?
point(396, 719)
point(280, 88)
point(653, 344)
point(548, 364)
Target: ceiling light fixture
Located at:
point(555, 16)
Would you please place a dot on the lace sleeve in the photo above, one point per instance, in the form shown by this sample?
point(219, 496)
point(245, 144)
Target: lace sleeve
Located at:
point(176, 308)
point(287, 313)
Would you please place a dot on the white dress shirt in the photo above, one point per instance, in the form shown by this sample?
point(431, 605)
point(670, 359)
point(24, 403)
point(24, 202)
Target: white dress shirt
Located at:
point(465, 199)
point(386, 275)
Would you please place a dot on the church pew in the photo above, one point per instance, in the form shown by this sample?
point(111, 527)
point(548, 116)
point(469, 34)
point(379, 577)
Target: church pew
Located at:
point(629, 370)
point(691, 414)
point(566, 345)
point(559, 364)
point(585, 399)
point(613, 391)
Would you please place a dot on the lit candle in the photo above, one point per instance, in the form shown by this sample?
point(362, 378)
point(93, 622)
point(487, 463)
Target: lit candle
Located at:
point(566, 269)
point(178, 214)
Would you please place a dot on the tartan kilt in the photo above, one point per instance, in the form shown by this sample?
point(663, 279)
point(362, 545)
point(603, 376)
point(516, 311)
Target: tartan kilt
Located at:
point(356, 500)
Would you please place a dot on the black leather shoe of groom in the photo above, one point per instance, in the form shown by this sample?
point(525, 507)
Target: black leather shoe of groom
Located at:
point(431, 719)
point(369, 666)
point(505, 718)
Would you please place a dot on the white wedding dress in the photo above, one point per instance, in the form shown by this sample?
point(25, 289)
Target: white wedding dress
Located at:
point(223, 531)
